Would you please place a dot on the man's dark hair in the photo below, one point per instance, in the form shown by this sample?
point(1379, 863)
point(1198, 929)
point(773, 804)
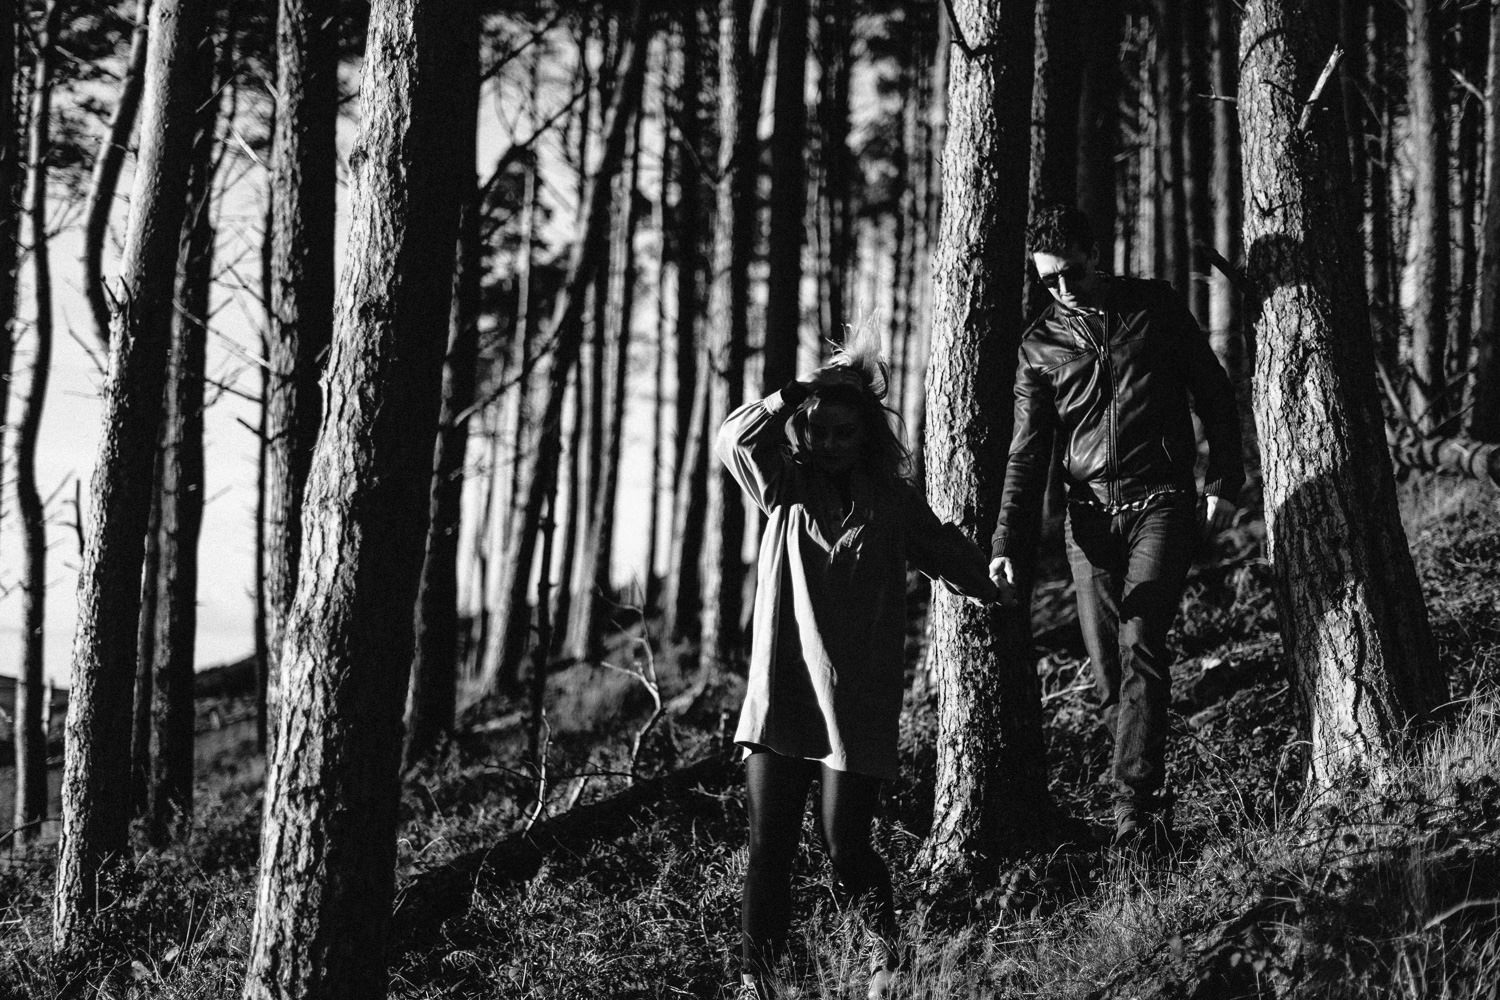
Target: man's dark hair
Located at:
point(1059, 229)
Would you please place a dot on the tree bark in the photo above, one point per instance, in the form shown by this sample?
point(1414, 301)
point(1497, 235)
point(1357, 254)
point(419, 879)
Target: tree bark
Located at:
point(681, 590)
point(323, 896)
point(95, 795)
point(145, 647)
point(513, 616)
point(1352, 619)
point(1484, 417)
point(181, 497)
point(788, 199)
point(683, 598)
point(303, 176)
point(586, 641)
point(1197, 162)
point(1099, 123)
point(1056, 91)
point(1225, 320)
point(834, 58)
point(1430, 260)
point(104, 180)
point(1171, 124)
point(990, 771)
point(432, 698)
point(30, 740)
point(734, 241)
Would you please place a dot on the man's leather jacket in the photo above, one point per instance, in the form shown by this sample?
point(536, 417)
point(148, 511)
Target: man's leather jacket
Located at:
point(1119, 385)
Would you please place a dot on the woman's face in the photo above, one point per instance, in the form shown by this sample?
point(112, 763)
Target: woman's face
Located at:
point(835, 433)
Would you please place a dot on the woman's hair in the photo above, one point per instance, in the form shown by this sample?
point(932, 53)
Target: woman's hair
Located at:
point(884, 454)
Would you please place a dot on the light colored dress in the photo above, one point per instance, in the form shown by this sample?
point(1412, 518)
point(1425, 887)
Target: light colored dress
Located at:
point(828, 649)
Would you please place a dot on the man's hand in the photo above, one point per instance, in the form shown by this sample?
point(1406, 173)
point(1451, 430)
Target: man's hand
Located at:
point(1214, 514)
point(1003, 575)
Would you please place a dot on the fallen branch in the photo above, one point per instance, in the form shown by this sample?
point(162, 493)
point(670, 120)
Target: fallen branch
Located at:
point(1465, 456)
point(434, 896)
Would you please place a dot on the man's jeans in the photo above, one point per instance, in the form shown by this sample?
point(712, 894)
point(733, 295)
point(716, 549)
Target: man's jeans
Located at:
point(1129, 569)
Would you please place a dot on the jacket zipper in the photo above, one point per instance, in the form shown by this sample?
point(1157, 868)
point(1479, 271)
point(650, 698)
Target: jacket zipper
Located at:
point(1106, 361)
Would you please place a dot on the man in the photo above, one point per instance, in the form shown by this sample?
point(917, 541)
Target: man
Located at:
point(1117, 366)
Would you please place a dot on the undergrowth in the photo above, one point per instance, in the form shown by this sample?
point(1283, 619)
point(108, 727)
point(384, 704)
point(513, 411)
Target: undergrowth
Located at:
point(1370, 890)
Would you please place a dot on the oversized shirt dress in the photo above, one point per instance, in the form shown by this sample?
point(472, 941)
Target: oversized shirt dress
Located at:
point(828, 649)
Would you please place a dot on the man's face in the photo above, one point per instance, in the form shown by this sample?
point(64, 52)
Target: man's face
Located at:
point(1070, 277)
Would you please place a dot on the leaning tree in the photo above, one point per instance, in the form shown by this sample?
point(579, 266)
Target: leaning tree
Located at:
point(328, 842)
point(1352, 619)
point(95, 792)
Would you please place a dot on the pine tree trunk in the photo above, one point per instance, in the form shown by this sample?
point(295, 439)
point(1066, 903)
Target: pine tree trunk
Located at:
point(668, 153)
point(172, 721)
point(788, 199)
point(10, 208)
point(1197, 163)
point(30, 741)
point(1224, 304)
point(1352, 619)
point(302, 249)
point(840, 237)
point(683, 599)
point(432, 698)
point(328, 845)
point(1225, 322)
point(692, 187)
point(734, 241)
point(181, 490)
point(592, 612)
point(565, 332)
point(95, 794)
point(680, 596)
point(1099, 123)
point(1172, 133)
point(1384, 43)
point(1056, 90)
point(991, 775)
point(104, 180)
point(145, 647)
point(1430, 261)
point(1484, 417)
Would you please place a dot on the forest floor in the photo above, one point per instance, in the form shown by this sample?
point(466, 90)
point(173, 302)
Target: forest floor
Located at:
point(627, 885)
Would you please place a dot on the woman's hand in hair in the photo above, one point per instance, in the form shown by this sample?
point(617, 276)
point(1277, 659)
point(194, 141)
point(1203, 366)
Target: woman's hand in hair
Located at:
point(836, 374)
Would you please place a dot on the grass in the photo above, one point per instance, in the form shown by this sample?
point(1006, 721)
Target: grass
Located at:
point(1388, 889)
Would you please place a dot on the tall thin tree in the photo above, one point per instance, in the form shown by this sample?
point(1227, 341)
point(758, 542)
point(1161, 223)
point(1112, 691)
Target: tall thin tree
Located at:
point(303, 163)
point(565, 330)
point(95, 773)
point(734, 239)
point(1431, 254)
point(433, 695)
point(104, 180)
point(1484, 417)
point(788, 199)
point(30, 743)
point(328, 845)
point(181, 483)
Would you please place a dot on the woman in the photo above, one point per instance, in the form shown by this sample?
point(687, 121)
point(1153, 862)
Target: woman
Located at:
point(823, 698)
